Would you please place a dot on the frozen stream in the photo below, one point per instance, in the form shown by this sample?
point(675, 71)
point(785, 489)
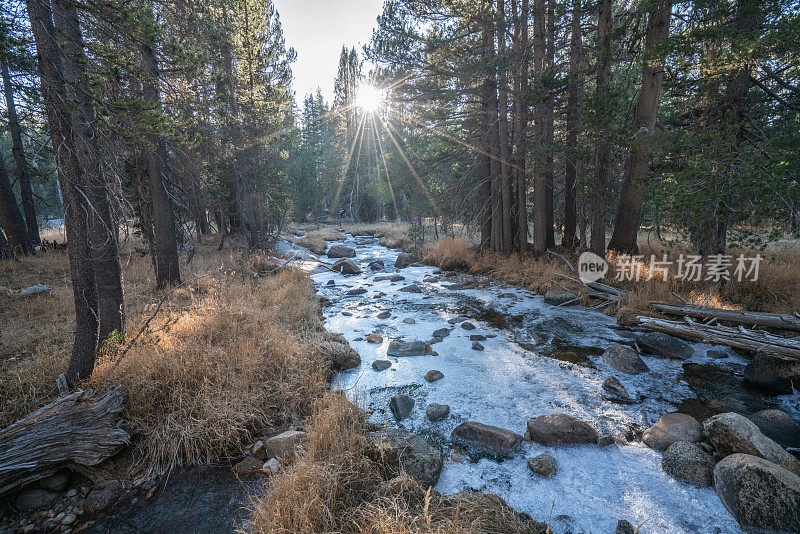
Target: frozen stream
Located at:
point(538, 359)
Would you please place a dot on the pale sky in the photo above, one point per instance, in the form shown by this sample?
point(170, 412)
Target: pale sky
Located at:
point(317, 29)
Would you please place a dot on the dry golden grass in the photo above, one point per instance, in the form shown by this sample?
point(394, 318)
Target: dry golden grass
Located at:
point(776, 290)
point(334, 487)
point(228, 354)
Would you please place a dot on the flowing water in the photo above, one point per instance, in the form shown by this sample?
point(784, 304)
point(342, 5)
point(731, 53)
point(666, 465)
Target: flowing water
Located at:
point(537, 359)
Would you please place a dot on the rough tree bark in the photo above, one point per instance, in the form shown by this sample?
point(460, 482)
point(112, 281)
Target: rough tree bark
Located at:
point(521, 113)
point(11, 217)
point(629, 209)
point(493, 132)
point(573, 125)
point(540, 111)
point(165, 244)
point(601, 156)
point(504, 149)
point(549, 122)
point(75, 202)
point(26, 192)
point(102, 233)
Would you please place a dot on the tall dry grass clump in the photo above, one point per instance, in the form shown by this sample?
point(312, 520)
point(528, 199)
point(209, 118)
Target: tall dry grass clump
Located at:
point(334, 487)
point(240, 358)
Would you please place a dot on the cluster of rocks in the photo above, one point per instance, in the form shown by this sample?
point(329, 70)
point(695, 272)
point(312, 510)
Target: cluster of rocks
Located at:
point(265, 456)
point(754, 476)
point(61, 502)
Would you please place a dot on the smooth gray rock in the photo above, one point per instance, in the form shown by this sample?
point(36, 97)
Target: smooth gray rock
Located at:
point(774, 373)
point(560, 429)
point(346, 266)
point(341, 251)
point(670, 428)
point(402, 450)
point(403, 260)
point(688, 462)
point(476, 346)
point(778, 426)
point(660, 344)
point(401, 406)
point(466, 325)
point(557, 298)
point(761, 496)
point(483, 439)
point(543, 465)
point(441, 333)
point(285, 443)
point(624, 359)
point(615, 391)
point(437, 412)
point(402, 349)
point(413, 288)
point(381, 365)
point(30, 500)
point(732, 433)
point(433, 375)
point(356, 291)
point(384, 315)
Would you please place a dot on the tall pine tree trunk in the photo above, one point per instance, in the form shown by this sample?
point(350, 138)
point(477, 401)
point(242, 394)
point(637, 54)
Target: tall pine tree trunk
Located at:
point(629, 210)
point(540, 112)
point(165, 244)
point(573, 127)
point(601, 155)
point(549, 122)
point(521, 113)
point(504, 149)
point(11, 217)
point(26, 192)
point(493, 132)
point(102, 233)
point(76, 205)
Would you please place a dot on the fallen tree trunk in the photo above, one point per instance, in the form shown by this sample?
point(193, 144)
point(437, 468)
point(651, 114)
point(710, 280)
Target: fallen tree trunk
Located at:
point(767, 320)
point(76, 431)
point(739, 338)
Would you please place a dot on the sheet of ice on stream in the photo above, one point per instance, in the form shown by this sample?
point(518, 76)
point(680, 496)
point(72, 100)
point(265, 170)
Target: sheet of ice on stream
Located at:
point(506, 384)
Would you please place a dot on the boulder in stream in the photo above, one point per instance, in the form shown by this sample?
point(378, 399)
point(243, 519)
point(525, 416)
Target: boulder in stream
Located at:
point(777, 374)
point(686, 461)
point(543, 465)
point(557, 298)
point(624, 359)
point(732, 433)
point(482, 440)
point(761, 496)
point(346, 266)
point(664, 345)
point(341, 251)
point(670, 428)
point(403, 260)
point(437, 412)
point(400, 348)
point(401, 406)
point(778, 426)
point(560, 429)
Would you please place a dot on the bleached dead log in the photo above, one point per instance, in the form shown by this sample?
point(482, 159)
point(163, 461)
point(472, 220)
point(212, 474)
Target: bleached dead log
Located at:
point(79, 430)
point(765, 320)
point(739, 338)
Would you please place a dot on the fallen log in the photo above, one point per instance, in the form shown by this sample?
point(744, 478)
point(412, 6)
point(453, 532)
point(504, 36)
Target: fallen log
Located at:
point(739, 337)
point(765, 320)
point(77, 431)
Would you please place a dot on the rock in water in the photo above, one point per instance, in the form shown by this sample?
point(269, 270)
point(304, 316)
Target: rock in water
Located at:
point(401, 406)
point(341, 356)
point(384, 315)
point(466, 325)
point(616, 390)
point(341, 251)
point(401, 348)
point(670, 428)
point(433, 375)
point(376, 265)
point(688, 462)
point(285, 443)
point(374, 338)
point(557, 298)
point(381, 365)
point(778, 426)
point(486, 439)
point(543, 465)
point(624, 359)
point(413, 288)
point(403, 260)
point(733, 433)
point(624, 527)
point(761, 496)
point(560, 429)
point(476, 346)
point(437, 412)
point(346, 267)
point(772, 372)
point(660, 344)
point(356, 291)
point(441, 333)
point(401, 450)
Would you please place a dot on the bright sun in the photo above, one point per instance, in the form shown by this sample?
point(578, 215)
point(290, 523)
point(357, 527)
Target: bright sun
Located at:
point(370, 98)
